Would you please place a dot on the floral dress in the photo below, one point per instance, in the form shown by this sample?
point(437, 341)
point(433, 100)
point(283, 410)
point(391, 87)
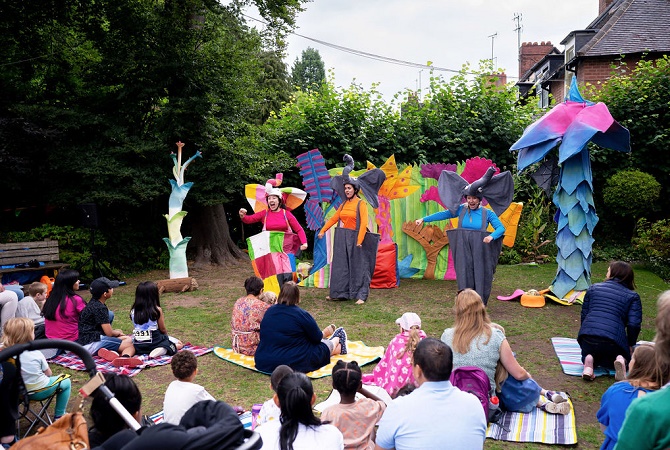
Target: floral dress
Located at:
point(395, 369)
point(245, 324)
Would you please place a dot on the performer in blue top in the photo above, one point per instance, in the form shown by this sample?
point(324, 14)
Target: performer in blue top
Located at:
point(470, 242)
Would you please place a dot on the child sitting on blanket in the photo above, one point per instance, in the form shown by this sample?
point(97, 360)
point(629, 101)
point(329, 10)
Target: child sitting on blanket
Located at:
point(149, 331)
point(183, 393)
point(270, 409)
point(395, 369)
point(356, 419)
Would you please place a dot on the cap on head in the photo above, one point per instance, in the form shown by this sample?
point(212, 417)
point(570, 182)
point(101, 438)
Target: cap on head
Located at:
point(409, 320)
point(101, 285)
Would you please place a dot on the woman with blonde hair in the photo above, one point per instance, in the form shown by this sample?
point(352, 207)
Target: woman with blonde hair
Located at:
point(476, 341)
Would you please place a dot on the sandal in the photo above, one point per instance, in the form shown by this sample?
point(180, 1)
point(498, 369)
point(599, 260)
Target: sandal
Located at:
point(619, 368)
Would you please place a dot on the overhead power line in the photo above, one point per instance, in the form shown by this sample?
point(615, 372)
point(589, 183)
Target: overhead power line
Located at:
point(373, 56)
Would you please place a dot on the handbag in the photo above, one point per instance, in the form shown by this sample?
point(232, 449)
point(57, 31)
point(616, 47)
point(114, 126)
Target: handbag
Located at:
point(70, 432)
point(519, 396)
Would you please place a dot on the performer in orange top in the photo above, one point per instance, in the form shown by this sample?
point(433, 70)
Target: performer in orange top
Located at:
point(354, 256)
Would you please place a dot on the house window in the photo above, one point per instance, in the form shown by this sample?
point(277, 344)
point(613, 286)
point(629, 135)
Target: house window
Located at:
point(542, 96)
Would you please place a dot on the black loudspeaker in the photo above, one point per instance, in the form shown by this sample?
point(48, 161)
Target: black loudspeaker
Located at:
point(89, 215)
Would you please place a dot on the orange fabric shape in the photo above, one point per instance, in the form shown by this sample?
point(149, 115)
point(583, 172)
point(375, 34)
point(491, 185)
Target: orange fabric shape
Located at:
point(532, 301)
point(386, 267)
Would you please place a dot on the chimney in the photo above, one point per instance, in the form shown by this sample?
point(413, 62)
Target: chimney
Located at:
point(532, 52)
point(603, 5)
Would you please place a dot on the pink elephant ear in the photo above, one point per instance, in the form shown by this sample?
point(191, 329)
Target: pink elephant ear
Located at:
point(432, 194)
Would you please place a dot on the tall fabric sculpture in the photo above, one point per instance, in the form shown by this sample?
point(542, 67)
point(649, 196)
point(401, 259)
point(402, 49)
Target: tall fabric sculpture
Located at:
point(570, 126)
point(175, 243)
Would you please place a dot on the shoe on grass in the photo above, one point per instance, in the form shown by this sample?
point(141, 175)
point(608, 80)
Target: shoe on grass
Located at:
point(159, 351)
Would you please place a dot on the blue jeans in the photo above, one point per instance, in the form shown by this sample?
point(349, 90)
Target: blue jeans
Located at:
point(61, 398)
point(15, 288)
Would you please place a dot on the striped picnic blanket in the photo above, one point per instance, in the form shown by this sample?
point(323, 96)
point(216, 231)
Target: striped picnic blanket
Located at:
point(245, 418)
point(357, 351)
point(570, 356)
point(72, 361)
point(536, 426)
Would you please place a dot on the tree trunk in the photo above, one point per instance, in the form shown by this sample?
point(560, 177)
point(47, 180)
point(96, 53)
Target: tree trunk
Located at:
point(211, 237)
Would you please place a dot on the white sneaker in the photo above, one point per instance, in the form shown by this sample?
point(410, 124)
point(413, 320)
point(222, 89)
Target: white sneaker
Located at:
point(557, 408)
point(155, 353)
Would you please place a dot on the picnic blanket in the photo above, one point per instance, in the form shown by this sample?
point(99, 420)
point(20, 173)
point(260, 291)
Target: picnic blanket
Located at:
point(72, 361)
point(570, 356)
point(536, 426)
point(357, 351)
point(245, 418)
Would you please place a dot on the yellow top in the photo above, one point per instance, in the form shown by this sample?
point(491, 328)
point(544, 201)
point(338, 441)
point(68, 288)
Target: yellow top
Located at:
point(347, 214)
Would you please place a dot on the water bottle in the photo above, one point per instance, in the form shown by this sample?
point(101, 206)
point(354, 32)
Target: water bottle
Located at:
point(494, 409)
point(254, 414)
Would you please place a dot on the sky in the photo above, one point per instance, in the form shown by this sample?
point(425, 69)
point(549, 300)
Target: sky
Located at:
point(448, 33)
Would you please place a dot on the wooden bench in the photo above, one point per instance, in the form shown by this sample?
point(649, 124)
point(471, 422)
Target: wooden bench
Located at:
point(45, 251)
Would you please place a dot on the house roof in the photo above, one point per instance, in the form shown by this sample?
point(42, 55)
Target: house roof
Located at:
point(630, 26)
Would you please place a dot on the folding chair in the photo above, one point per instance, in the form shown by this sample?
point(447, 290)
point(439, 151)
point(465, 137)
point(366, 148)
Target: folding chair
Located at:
point(40, 416)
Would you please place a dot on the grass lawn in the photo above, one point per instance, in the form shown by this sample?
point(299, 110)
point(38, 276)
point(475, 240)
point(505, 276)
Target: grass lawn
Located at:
point(203, 318)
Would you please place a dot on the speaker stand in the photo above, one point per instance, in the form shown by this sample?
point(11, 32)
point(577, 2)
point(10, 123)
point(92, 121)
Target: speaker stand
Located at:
point(99, 267)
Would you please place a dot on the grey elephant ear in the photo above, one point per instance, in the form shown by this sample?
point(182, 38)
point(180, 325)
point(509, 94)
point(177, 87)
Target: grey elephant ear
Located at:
point(337, 185)
point(499, 192)
point(450, 188)
point(370, 183)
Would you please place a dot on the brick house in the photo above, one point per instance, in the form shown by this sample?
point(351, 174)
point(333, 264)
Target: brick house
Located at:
point(624, 32)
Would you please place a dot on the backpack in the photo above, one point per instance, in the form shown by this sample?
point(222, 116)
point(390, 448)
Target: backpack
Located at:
point(475, 381)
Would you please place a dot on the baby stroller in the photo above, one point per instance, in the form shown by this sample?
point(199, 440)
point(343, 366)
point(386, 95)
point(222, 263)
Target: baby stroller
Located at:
point(201, 430)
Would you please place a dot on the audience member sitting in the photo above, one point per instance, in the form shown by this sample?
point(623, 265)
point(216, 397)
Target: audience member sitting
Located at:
point(150, 334)
point(35, 370)
point(95, 329)
point(644, 376)
point(9, 403)
point(16, 289)
point(183, 393)
point(648, 417)
point(437, 414)
point(9, 302)
point(395, 368)
point(270, 409)
point(245, 323)
point(477, 342)
point(62, 309)
point(355, 419)
point(291, 336)
point(106, 421)
point(299, 428)
point(30, 307)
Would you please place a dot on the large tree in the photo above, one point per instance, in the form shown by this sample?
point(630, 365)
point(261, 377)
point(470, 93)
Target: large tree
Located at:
point(308, 72)
point(96, 94)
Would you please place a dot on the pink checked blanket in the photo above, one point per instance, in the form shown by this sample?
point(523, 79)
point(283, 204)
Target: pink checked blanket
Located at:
point(72, 361)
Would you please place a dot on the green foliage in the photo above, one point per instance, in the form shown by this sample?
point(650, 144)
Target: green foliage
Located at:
point(73, 242)
point(537, 230)
point(654, 240)
point(631, 193)
point(638, 99)
point(308, 72)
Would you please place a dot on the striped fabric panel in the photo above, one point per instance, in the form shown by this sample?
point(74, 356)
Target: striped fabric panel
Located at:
point(537, 426)
point(570, 356)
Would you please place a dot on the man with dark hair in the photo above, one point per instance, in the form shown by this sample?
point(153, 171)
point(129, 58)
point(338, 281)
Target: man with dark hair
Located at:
point(436, 415)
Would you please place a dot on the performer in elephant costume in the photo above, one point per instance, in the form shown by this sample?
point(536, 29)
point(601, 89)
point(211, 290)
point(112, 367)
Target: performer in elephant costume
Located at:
point(475, 250)
point(354, 248)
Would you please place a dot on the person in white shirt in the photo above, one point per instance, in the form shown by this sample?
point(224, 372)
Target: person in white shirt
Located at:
point(31, 307)
point(298, 428)
point(183, 393)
